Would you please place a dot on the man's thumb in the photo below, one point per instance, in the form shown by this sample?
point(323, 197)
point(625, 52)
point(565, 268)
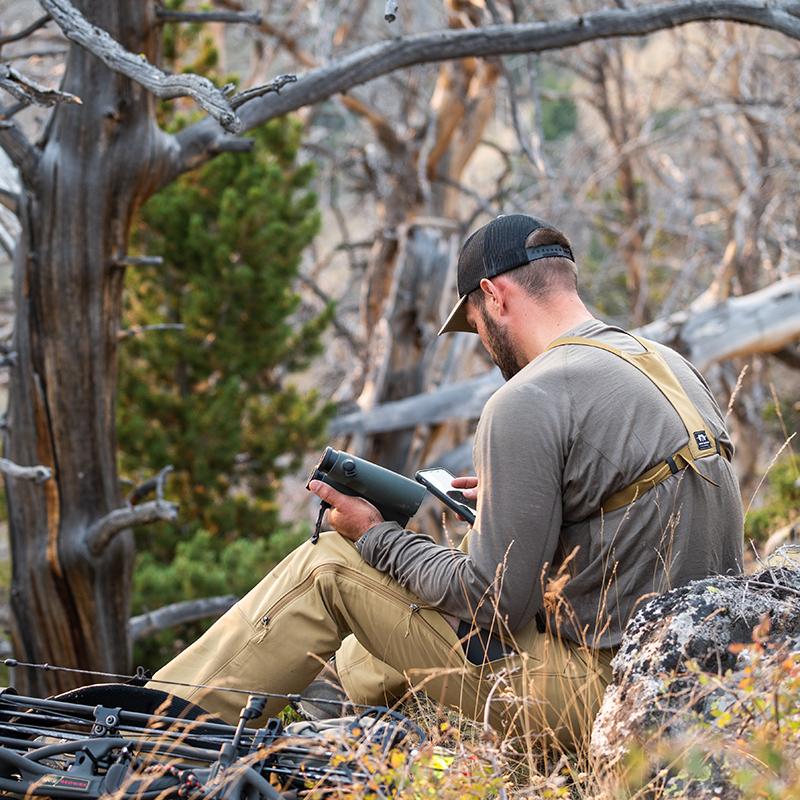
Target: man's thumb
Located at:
point(323, 491)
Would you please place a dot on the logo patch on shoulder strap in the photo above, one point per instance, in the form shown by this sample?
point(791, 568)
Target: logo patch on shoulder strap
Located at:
point(703, 442)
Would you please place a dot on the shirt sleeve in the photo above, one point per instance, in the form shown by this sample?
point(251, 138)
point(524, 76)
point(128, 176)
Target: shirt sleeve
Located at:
point(519, 459)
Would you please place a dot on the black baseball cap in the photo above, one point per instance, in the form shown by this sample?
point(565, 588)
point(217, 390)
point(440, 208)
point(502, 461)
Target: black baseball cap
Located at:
point(497, 247)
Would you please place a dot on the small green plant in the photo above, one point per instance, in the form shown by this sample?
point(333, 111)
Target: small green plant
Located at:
point(781, 503)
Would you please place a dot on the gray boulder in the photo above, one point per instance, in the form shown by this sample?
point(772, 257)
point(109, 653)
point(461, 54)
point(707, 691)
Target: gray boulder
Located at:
point(660, 691)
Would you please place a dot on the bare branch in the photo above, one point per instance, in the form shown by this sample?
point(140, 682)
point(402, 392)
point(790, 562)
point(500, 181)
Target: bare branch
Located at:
point(137, 330)
point(235, 17)
point(38, 473)
point(174, 614)
point(155, 484)
point(231, 144)
point(789, 356)
point(461, 400)
point(138, 261)
point(274, 85)
point(340, 327)
point(9, 199)
point(28, 90)
point(382, 58)
point(10, 111)
point(136, 67)
point(34, 26)
point(100, 535)
point(390, 12)
point(47, 52)
point(7, 241)
point(24, 156)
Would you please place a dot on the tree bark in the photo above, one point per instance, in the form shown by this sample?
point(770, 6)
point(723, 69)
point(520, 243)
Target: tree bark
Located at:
point(96, 164)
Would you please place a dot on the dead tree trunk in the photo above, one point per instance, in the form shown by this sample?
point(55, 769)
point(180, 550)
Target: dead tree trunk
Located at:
point(410, 290)
point(68, 602)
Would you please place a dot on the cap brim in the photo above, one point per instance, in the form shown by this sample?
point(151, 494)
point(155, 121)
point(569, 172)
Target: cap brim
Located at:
point(457, 321)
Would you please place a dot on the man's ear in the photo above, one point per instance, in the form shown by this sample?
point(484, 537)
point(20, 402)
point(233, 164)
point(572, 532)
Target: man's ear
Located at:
point(490, 293)
point(493, 294)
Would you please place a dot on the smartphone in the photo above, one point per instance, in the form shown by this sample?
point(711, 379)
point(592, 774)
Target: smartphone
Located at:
point(439, 482)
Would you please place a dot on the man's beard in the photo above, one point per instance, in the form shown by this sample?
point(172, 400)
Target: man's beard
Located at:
point(501, 348)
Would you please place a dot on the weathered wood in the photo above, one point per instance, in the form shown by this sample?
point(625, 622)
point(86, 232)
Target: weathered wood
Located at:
point(375, 60)
point(81, 184)
point(97, 163)
point(134, 64)
point(102, 532)
point(26, 31)
point(761, 322)
point(230, 17)
point(174, 614)
point(9, 200)
point(23, 155)
point(30, 91)
point(460, 400)
point(34, 473)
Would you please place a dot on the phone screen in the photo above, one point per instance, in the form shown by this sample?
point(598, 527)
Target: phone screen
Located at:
point(441, 479)
point(440, 482)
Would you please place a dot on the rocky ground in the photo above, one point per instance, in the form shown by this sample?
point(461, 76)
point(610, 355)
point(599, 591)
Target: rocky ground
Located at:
point(707, 669)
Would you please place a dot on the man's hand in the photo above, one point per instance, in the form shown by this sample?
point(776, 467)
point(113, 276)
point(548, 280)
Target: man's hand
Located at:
point(468, 486)
point(350, 516)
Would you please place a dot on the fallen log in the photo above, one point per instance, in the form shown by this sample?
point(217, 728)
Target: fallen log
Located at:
point(762, 322)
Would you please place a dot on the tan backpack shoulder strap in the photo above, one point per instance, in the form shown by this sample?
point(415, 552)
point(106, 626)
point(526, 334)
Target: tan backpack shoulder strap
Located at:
point(700, 442)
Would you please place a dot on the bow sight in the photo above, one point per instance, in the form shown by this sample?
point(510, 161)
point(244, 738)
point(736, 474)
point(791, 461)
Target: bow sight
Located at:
point(140, 743)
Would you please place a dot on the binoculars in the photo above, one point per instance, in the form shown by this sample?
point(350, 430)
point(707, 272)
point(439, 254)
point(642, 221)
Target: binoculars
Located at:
point(395, 496)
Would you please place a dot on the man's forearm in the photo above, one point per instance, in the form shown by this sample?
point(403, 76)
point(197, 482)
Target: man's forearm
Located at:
point(443, 577)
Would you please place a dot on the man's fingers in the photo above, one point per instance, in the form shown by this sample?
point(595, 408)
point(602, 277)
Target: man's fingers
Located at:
point(470, 494)
point(467, 482)
point(325, 492)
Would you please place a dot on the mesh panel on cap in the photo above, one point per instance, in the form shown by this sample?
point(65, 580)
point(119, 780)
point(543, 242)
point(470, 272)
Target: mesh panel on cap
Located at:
point(497, 247)
point(470, 263)
point(504, 243)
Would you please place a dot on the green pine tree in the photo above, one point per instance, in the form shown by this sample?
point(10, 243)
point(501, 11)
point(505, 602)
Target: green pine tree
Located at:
point(215, 399)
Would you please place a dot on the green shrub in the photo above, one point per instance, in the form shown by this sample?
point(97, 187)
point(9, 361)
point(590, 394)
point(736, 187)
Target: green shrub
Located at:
point(781, 503)
point(215, 399)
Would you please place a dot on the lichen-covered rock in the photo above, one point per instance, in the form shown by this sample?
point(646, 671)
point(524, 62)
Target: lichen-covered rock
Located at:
point(660, 686)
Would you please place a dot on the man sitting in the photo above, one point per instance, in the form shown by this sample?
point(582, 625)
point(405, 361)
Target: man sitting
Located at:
point(603, 476)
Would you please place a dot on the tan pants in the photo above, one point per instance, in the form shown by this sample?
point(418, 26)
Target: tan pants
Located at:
point(278, 637)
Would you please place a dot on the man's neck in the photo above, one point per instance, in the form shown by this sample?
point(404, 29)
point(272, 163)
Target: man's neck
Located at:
point(548, 320)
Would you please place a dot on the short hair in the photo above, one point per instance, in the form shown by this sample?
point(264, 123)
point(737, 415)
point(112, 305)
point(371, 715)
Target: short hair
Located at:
point(545, 276)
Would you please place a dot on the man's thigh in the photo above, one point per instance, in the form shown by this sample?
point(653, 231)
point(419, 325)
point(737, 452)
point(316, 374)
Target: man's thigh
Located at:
point(367, 679)
point(277, 637)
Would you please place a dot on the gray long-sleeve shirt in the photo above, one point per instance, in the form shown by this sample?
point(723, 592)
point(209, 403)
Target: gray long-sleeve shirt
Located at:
point(571, 428)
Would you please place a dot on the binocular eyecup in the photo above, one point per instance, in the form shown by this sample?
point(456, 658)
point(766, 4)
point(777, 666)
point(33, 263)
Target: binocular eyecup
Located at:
point(396, 497)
